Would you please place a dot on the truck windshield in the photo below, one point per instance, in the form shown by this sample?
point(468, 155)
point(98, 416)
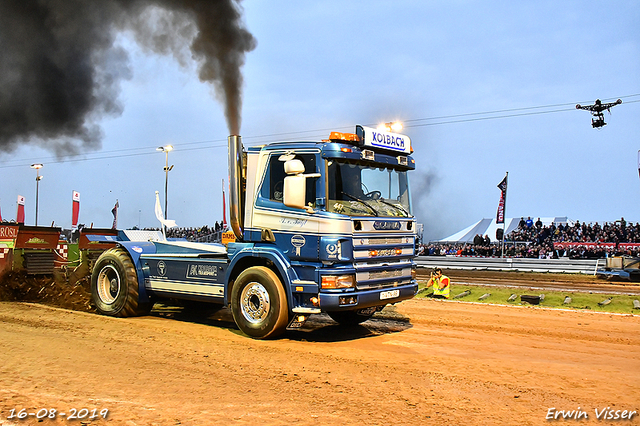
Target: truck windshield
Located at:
point(359, 189)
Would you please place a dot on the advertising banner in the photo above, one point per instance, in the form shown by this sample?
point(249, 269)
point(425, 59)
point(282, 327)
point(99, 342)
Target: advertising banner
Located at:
point(75, 209)
point(583, 244)
point(503, 198)
point(20, 213)
point(8, 235)
point(608, 245)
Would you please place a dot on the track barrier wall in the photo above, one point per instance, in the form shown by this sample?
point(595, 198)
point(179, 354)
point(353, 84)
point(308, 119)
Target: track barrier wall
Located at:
point(572, 266)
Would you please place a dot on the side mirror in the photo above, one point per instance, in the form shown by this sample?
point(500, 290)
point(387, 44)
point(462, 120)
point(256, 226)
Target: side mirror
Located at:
point(294, 190)
point(293, 167)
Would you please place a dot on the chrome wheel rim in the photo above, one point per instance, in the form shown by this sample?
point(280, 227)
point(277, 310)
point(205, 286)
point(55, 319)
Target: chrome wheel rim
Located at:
point(255, 303)
point(108, 284)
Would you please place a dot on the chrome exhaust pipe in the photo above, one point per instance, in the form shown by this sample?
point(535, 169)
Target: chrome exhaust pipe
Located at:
point(236, 185)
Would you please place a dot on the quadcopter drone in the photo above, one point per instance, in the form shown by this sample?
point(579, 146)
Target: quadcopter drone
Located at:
point(596, 110)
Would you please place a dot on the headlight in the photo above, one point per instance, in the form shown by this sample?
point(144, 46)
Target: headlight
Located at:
point(338, 281)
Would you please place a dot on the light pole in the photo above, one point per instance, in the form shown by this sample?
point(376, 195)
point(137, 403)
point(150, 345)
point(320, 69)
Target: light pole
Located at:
point(167, 169)
point(37, 166)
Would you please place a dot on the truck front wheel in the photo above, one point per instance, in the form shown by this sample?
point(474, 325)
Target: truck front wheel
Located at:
point(114, 285)
point(259, 303)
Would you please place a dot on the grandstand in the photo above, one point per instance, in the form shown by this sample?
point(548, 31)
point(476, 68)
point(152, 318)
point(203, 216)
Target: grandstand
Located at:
point(549, 237)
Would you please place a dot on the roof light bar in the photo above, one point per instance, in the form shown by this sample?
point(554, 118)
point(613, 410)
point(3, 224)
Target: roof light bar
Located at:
point(347, 137)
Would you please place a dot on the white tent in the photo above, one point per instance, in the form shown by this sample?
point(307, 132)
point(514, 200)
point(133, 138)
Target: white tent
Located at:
point(489, 226)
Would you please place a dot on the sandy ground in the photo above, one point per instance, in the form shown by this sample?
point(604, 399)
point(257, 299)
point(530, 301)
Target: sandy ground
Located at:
point(422, 362)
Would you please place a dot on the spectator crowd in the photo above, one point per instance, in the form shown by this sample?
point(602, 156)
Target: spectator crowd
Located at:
point(205, 233)
point(535, 240)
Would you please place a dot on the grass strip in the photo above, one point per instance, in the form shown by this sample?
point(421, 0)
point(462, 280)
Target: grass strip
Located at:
point(621, 304)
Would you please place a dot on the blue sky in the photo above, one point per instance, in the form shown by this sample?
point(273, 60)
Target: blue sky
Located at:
point(329, 65)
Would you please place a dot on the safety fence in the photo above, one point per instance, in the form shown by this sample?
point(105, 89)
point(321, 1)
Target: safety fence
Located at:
point(574, 266)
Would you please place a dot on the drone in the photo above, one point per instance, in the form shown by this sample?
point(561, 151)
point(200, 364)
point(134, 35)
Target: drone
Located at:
point(596, 110)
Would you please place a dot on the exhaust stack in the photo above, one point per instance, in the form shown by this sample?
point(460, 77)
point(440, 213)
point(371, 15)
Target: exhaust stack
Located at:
point(236, 185)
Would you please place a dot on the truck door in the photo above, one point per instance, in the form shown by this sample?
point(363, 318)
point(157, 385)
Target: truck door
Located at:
point(295, 230)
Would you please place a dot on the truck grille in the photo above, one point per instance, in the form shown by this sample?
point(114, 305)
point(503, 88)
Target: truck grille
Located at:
point(385, 274)
point(381, 241)
point(391, 276)
point(382, 261)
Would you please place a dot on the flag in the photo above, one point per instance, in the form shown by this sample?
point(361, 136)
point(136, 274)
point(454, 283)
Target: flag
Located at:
point(75, 212)
point(20, 214)
point(0, 216)
point(166, 222)
point(503, 199)
point(114, 212)
point(638, 162)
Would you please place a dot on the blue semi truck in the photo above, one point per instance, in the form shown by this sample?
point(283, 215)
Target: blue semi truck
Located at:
point(319, 227)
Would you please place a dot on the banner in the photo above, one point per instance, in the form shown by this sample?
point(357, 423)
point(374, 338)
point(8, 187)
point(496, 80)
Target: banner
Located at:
point(75, 196)
point(8, 234)
point(608, 245)
point(20, 213)
point(503, 199)
point(629, 246)
point(114, 212)
point(583, 244)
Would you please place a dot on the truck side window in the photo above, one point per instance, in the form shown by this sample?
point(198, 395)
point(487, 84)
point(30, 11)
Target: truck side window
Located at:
point(274, 180)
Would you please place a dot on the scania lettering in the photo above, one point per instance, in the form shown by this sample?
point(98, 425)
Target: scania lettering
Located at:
point(319, 227)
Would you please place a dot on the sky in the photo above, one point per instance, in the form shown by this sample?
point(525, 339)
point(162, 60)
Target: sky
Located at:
point(482, 88)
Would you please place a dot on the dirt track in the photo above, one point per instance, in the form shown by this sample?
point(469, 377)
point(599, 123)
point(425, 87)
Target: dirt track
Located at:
point(424, 362)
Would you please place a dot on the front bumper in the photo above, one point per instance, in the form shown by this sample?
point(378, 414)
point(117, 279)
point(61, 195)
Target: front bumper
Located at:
point(366, 298)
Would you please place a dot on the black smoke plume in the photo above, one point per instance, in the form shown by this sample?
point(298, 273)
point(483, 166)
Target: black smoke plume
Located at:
point(61, 68)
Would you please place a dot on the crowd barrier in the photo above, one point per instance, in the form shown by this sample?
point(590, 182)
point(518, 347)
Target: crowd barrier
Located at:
point(573, 266)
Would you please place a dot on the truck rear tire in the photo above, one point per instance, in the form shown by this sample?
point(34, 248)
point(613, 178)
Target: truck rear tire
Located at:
point(259, 303)
point(114, 285)
point(348, 317)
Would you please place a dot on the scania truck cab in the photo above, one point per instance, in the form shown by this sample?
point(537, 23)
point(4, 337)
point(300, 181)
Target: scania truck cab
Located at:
point(319, 227)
